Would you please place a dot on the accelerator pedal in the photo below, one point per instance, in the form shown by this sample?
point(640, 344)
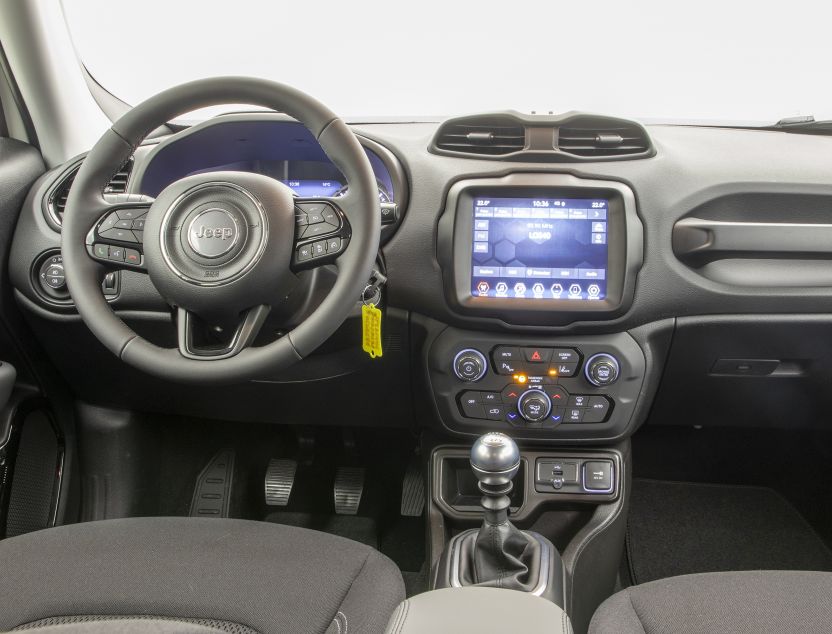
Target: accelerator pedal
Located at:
point(413, 490)
point(349, 485)
point(212, 493)
point(280, 478)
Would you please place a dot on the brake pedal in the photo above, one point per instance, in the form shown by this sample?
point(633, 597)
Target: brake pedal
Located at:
point(212, 493)
point(280, 478)
point(349, 485)
point(413, 490)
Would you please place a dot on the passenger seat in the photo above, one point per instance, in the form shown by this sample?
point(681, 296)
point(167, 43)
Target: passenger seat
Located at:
point(737, 602)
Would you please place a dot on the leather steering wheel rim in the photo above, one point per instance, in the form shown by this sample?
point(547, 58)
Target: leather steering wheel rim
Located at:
point(86, 203)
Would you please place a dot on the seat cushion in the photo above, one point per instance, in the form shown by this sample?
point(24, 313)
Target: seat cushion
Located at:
point(738, 602)
point(265, 577)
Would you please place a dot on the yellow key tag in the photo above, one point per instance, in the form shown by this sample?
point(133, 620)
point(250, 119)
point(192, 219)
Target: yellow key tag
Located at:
point(371, 327)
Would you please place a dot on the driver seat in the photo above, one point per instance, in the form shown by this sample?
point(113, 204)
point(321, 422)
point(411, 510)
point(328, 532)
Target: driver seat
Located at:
point(194, 575)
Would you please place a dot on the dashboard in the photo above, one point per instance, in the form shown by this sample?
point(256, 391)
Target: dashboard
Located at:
point(547, 285)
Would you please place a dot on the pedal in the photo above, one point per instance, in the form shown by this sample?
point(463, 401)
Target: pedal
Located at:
point(413, 490)
point(349, 485)
point(212, 493)
point(280, 478)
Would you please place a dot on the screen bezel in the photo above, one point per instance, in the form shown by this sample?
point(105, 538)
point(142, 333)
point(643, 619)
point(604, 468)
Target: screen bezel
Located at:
point(624, 244)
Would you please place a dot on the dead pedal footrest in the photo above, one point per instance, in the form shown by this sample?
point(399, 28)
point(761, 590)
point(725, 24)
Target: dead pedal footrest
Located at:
point(212, 493)
point(280, 478)
point(349, 485)
point(413, 491)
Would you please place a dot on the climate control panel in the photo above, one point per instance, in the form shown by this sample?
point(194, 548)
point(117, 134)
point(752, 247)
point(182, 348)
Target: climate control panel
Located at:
point(581, 387)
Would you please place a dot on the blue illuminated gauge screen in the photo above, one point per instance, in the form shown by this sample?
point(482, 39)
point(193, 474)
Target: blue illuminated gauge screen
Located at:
point(550, 248)
point(314, 188)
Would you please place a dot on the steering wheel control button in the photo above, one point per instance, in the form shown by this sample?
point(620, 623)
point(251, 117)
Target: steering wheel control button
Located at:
point(470, 365)
point(304, 252)
point(131, 256)
point(119, 235)
point(330, 217)
point(598, 476)
point(138, 224)
point(318, 248)
point(131, 213)
point(117, 254)
point(333, 245)
point(101, 251)
point(534, 406)
point(213, 233)
point(471, 406)
point(602, 369)
point(109, 222)
point(507, 360)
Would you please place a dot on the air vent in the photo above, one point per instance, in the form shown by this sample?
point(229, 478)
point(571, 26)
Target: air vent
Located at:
point(483, 136)
point(599, 137)
point(118, 183)
point(56, 203)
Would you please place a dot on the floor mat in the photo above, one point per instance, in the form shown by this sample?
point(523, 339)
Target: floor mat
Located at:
point(354, 527)
point(677, 528)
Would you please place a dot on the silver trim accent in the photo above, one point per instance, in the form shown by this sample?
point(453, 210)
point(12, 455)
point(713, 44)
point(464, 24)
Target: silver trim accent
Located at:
point(264, 235)
point(612, 476)
point(192, 238)
point(542, 582)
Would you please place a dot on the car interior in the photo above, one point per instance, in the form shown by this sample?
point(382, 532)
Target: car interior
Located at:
point(276, 370)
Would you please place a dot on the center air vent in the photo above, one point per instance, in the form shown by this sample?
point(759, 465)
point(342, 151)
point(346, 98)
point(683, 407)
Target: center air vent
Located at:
point(601, 137)
point(489, 136)
point(56, 200)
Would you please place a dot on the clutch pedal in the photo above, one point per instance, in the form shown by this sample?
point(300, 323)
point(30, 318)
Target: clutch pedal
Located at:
point(280, 478)
point(349, 485)
point(212, 493)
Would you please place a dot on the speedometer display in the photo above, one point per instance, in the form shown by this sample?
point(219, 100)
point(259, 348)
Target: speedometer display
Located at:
point(314, 188)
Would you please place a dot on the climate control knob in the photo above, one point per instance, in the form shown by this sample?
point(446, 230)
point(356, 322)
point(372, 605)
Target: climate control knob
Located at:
point(470, 365)
point(602, 369)
point(534, 405)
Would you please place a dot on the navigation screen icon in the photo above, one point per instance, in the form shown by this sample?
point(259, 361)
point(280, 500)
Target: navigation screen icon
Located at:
point(557, 289)
point(501, 289)
point(538, 290)
point(594, 290)
point(519, 289)
point(482, 288)
point(575, 290)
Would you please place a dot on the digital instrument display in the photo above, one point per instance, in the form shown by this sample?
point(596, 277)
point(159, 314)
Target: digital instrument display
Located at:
point(314, 188)
point(541, 248)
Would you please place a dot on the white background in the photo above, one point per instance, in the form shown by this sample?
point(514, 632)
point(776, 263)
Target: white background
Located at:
point(653, 60)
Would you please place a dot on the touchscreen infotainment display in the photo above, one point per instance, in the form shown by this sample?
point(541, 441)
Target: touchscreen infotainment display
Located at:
point(541, 248)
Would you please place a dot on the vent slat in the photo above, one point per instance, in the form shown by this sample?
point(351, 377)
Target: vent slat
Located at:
point(486, 137)
point(596, 137)
point(117, 185)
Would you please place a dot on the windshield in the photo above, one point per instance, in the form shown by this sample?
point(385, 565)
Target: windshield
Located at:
point(729, 62)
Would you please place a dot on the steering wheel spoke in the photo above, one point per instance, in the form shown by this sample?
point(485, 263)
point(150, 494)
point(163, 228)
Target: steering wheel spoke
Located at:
point(322, 232)
point(243, 337)
point(117, 237)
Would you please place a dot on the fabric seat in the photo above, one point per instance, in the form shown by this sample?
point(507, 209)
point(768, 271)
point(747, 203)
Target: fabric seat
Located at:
point(737, 602)
point(223, 575)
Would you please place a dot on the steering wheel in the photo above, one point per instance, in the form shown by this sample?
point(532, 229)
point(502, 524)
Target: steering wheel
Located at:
point(220, 243)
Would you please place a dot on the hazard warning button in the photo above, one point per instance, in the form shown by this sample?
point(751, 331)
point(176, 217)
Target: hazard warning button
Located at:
point(537, 355)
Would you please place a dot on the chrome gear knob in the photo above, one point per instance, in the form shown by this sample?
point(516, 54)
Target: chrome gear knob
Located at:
point(495, 459)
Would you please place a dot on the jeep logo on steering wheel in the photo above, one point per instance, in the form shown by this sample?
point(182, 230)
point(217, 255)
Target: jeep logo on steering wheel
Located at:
point(213, 233)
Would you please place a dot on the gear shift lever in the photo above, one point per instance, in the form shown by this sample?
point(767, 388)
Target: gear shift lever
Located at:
point(495, 460)
point(498, 554)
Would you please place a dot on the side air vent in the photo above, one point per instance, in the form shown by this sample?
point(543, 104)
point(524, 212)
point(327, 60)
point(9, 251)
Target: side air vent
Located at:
point(56, 199)
point(485, 136)
point(599, 137)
